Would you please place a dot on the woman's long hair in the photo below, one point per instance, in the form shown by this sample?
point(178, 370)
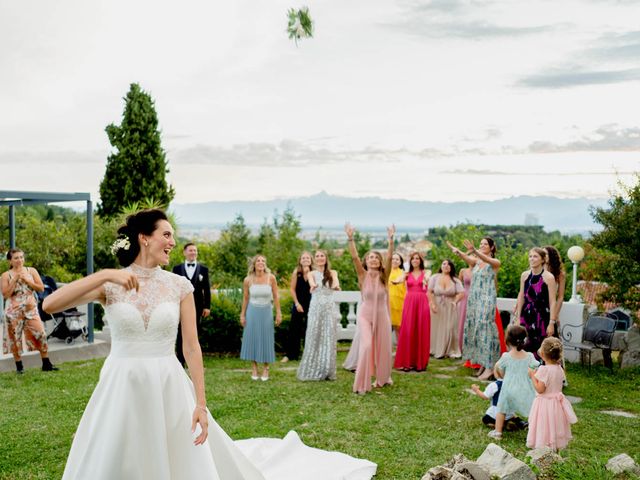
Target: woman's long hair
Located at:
point(401, 267)
point(327, 278)
point(452, 267)
point(413, 254)
point(492, 246)
point(382, 270)
point(299, 267)
point(251, 273)
point(554, 261)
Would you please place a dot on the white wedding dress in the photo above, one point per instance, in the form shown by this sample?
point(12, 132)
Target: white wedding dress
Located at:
point(137, 424)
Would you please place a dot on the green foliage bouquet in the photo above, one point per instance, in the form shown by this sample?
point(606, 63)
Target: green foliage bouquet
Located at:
point(300, 24)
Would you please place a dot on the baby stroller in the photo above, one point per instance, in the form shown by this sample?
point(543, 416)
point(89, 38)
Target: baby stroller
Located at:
point(68, 325)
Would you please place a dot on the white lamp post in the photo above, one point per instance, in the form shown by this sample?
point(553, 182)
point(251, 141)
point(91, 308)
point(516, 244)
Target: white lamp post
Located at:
point(575, 254)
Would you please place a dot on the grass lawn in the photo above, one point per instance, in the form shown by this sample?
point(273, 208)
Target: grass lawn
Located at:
point(419, 422)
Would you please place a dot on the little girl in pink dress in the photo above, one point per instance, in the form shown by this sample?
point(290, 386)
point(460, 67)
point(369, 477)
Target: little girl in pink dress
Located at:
point(551, 413)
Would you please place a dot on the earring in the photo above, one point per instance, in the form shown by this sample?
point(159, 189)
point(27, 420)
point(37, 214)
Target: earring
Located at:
point(146, 244)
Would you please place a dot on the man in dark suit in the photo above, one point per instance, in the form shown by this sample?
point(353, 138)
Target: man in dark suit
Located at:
point(198, 274)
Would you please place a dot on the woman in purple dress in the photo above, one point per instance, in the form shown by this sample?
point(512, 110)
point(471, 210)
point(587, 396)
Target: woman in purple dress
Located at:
point(537, 301)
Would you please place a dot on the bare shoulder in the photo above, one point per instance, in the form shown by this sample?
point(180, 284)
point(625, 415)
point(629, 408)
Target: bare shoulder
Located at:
point(525, 274)
point(548, 276)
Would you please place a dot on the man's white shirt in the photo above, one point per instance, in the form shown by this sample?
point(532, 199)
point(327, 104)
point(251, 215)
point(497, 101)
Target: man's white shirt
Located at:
point(190, 269)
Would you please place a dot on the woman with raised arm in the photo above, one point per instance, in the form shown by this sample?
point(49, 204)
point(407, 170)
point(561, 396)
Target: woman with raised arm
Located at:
point(19, 285)
point(301, 296)
point(260, 294)
point(397, 292)
point(319, 355)
point(481, 342)
point(537, 301)
point(374, 324)
point(415, 333)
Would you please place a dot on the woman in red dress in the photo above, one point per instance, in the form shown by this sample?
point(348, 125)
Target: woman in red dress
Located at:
point(415, 329)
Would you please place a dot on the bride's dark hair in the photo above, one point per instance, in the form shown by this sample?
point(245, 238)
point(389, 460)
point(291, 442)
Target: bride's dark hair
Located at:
point(144, 222)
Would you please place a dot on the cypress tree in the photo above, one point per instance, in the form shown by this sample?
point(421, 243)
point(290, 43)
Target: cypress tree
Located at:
point(137, 167)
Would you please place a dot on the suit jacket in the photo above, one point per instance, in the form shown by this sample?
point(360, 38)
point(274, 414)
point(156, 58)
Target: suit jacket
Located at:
point(201, 285)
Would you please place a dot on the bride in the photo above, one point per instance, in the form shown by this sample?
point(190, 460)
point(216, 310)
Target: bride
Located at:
point(146, 419)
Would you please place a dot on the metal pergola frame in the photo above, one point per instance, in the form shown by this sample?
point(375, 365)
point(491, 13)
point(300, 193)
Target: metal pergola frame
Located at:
point(13, 199)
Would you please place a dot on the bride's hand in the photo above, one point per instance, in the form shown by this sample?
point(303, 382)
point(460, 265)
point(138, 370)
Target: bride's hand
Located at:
point(200, 416)
point(126, 279)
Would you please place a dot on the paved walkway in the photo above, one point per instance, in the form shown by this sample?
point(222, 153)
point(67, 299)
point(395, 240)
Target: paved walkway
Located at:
point(60, 352)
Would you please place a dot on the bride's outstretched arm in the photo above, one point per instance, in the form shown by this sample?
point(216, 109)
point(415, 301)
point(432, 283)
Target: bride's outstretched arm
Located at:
point(193, 356)
point(88, 289)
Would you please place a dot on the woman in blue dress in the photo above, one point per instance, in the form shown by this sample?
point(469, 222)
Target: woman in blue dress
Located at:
point(260, 294)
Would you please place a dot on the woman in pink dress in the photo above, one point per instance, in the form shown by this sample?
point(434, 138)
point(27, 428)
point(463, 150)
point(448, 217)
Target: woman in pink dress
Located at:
point(415, 329)
point(374, 322)
point(551, 414)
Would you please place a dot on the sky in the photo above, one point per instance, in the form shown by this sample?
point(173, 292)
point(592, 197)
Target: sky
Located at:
point(440, 100)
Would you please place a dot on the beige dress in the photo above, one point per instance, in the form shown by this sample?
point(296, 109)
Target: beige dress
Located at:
point(444, 323)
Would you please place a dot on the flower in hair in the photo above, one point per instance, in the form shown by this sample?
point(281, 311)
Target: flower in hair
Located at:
point(121, 243)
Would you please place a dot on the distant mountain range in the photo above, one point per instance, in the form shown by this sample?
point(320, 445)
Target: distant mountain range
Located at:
point(329, 211)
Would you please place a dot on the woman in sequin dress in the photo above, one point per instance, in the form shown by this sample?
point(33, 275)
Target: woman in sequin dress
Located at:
point(319, 355)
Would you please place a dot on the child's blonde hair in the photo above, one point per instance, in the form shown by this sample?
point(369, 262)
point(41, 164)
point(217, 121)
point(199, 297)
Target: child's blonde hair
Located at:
point(551, 348)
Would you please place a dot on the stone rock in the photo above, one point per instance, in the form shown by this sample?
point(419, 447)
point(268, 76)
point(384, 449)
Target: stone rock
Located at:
point(500, 463)
point(623, 463)
point(443, 473)
point(619, 413)
point(630, 348)
point(473, 470)
point(543, 457)
point(458, 468)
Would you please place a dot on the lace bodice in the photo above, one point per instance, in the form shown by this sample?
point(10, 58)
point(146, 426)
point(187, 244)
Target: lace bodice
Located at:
point(151, 314)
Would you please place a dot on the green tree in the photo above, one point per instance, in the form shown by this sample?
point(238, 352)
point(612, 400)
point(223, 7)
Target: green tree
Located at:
point(231, 252)
point(283, 253)
point(136, 169)
point(619, 241)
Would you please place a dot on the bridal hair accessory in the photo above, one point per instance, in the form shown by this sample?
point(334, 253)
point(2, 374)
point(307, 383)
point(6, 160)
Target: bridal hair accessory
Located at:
point(121, 243)
point(300, 24)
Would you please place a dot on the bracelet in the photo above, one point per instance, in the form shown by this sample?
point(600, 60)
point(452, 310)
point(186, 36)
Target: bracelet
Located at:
point(204, 409)
point(350, 239)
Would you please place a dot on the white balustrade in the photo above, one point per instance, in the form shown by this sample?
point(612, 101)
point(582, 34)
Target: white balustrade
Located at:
point(351, 298)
